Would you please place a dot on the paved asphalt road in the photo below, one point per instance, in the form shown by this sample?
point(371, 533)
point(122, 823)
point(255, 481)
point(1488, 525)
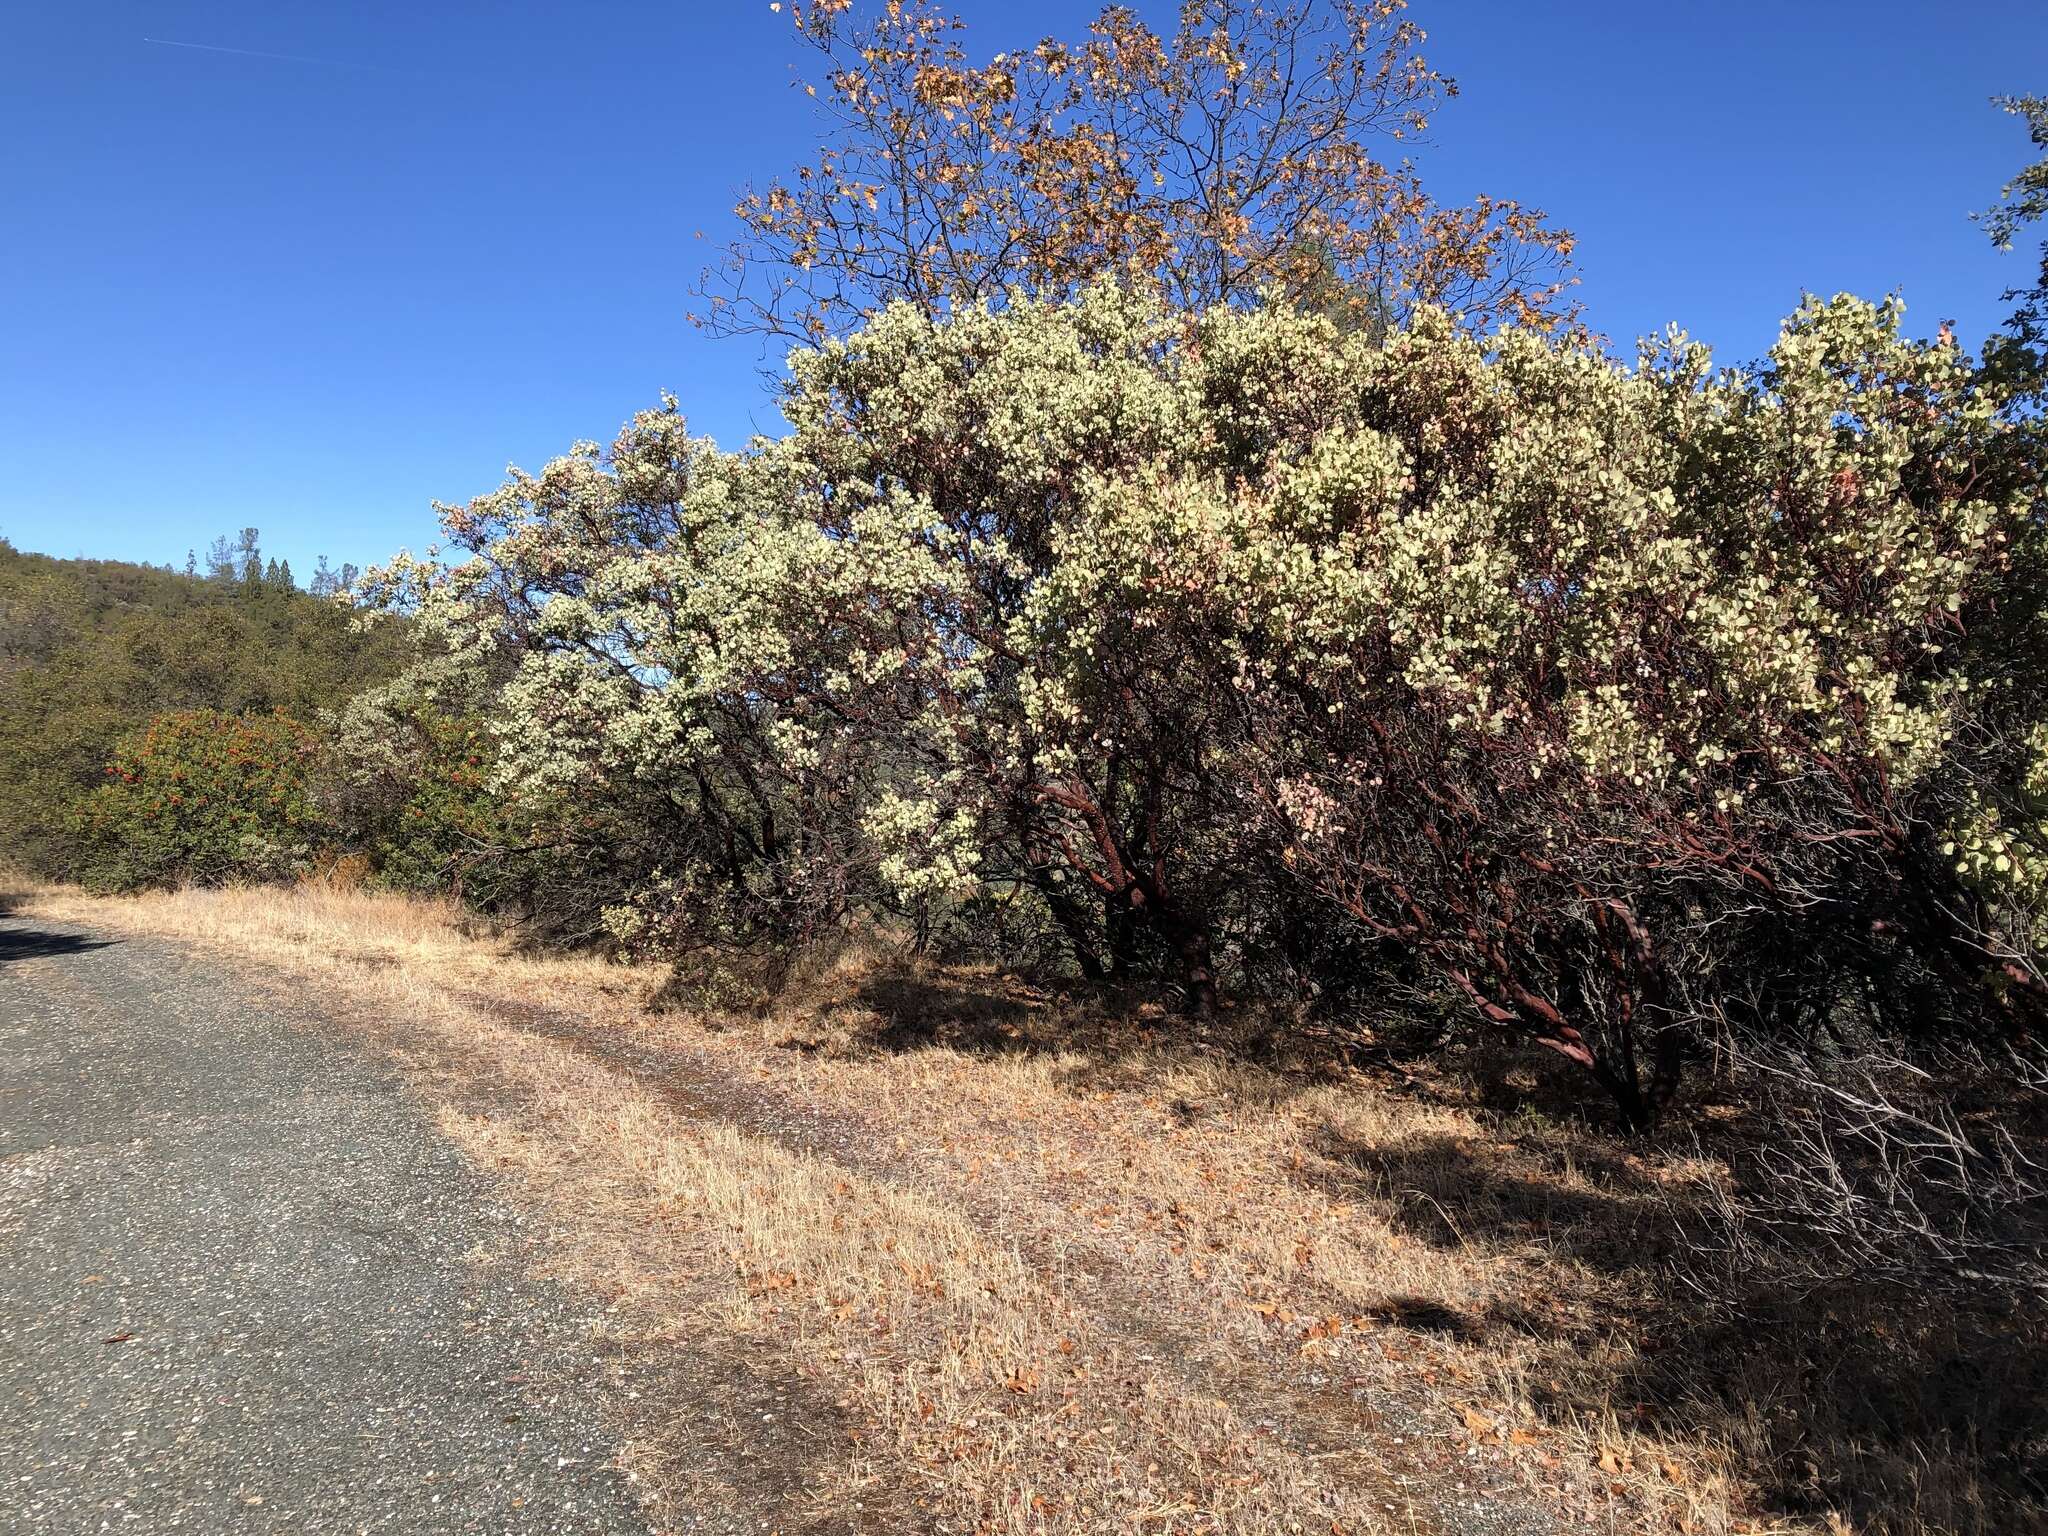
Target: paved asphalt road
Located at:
point(245, 1287)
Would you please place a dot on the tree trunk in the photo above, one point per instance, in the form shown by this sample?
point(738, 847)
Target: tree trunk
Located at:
point(1640, 1104)
point(1197, 966)
point(1120, 930)
point(1079, 932)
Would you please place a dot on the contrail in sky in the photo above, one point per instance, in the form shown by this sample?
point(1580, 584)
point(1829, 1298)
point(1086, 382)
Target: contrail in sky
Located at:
point(253, 53)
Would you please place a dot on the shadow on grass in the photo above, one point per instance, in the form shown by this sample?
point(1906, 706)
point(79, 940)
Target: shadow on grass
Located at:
point(1113, 1036)
point(1125, 1037)
point(1454, 1191)
point(908, 1012)
point(1894, 1412)
point(1897, 1411)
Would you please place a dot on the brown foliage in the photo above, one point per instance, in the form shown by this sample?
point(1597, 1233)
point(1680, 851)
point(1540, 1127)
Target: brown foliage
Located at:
point(1250, 149)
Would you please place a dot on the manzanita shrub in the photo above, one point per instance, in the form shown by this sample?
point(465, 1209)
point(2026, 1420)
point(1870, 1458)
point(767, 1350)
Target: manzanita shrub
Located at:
point(405, 776)
point(1618, 706)
point(410, 778)
point(202, 796)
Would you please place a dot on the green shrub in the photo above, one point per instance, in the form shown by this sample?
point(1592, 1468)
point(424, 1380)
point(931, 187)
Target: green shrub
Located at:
point(201, 796)
point(90, 650)
point(405, 782)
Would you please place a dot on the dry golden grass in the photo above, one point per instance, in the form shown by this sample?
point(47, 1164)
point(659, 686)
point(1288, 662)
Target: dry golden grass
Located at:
point(1047, 1268)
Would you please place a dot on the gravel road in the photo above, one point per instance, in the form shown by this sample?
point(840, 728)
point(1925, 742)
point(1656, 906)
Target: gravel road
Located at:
point(244, 1286)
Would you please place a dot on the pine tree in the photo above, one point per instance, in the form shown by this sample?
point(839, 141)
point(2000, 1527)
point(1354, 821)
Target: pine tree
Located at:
point(249, 553)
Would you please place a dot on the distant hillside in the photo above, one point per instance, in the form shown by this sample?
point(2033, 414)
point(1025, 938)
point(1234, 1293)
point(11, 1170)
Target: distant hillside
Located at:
point(91, 648)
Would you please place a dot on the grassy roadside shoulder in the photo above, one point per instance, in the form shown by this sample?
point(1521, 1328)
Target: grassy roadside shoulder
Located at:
point(1026, 1264)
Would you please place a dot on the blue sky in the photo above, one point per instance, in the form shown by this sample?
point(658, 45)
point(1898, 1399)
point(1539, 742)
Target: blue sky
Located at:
point(315, 293)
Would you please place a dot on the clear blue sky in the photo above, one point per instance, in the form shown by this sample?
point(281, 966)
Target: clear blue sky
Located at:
point(315, 293)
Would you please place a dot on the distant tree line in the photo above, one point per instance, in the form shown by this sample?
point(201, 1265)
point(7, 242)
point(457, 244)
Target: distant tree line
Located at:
point(241, 560)
point(92, 650)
